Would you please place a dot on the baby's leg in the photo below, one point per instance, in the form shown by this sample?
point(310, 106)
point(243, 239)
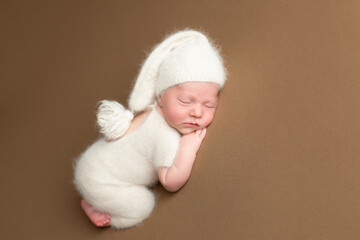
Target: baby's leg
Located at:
point(130, 205)
point(100, 219)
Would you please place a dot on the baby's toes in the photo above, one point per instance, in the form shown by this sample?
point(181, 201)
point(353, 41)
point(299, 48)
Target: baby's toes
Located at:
point(98, 223)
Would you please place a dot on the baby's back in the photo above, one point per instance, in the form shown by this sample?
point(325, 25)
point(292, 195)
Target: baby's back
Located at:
point(125, 160)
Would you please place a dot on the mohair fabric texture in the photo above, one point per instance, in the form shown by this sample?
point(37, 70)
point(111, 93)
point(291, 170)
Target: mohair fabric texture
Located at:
point(113, 176)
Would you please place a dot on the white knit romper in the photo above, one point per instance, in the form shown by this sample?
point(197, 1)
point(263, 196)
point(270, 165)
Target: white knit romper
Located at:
point(114, 176)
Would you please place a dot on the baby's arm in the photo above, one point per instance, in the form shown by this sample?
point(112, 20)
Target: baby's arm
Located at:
point(174, 177)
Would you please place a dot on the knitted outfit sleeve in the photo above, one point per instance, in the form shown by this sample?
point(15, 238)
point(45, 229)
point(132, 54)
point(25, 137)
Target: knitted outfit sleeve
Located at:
point(166, 147)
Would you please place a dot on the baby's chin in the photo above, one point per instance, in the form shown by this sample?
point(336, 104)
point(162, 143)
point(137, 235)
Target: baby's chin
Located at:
point(185, 131)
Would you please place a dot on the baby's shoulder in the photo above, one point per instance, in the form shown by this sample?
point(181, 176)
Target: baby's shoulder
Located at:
point(137, 122)
point(165, 133)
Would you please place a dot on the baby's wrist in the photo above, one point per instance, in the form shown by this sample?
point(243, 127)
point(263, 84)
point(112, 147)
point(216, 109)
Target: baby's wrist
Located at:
point(190, 153)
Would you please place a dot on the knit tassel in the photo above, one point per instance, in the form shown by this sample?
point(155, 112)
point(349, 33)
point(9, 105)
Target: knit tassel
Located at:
point(113, 119)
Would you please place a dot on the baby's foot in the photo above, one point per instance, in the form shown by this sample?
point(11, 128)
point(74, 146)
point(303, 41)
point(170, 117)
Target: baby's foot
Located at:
point(98, 218)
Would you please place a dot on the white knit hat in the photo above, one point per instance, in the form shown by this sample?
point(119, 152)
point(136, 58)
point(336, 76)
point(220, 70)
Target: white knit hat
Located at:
point(185, 56)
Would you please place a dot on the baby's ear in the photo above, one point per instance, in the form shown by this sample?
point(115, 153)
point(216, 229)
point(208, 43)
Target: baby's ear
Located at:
point(159, 100)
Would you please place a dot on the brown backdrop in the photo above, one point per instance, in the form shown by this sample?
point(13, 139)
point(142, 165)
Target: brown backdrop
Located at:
point(280, 161)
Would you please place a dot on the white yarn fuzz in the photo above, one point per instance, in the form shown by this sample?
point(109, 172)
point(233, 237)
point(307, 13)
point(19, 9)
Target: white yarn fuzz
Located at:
point(113, 119)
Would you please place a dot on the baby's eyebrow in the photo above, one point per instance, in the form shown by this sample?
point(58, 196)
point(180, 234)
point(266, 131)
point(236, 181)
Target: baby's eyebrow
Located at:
point(211, 102)
point(214, 100)
point(193, 97)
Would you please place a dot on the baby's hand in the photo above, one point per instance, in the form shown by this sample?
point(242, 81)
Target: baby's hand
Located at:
point(174, 177)
point(191, 142)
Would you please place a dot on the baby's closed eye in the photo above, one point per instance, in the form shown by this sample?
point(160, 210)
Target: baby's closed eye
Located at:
point(210, 104)
point(184, 101)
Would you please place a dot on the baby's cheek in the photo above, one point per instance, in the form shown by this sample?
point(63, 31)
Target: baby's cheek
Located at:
point(175, 116)
point(209, 118)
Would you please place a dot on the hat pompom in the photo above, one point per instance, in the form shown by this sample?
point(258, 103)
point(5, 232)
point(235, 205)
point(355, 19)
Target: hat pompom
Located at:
point(113, 119)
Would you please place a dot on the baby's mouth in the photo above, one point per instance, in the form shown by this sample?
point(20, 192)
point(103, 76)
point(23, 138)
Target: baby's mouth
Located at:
point(190, 124)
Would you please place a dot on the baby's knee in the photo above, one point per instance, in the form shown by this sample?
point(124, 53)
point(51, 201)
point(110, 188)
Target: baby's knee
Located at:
point(139, 204)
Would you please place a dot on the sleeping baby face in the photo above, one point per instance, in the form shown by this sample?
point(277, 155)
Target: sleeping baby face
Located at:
point(190, 106)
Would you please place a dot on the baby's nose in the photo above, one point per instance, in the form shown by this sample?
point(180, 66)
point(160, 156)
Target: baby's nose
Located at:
point(196, 111)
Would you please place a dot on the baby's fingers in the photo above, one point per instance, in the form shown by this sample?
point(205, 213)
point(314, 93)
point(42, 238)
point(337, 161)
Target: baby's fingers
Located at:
point(197, 132)
point(201, 133)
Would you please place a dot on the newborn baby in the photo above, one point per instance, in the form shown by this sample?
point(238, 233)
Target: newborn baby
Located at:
point(175, 95)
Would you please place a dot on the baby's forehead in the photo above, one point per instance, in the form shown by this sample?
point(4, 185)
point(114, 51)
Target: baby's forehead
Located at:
point(202, 90)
